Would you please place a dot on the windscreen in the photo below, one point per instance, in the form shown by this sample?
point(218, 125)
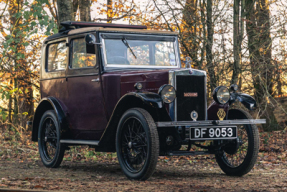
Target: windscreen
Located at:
point(137, 52)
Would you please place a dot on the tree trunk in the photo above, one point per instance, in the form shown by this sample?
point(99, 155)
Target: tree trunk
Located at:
point(15, 99)
point(10, 105)
point(190, 19)
point(65, 11)
point(75, 8)
point(85, 10)
point(22, 99)
point(15, 21)
point(209, 44)
point(259, 45)
point(236, 42)
point(109, 11)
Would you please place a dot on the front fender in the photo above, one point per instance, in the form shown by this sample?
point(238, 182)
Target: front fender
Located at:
point(214, 108)
point(151, 99)
point(248, 101)
point(151, 102)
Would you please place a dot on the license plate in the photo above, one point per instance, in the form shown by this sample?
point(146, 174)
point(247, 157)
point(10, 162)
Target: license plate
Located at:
point(213, 133)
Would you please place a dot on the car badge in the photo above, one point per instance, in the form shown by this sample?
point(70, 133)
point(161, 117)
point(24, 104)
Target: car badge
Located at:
point(221, 114)
point(187, 62)
point(194, 115)
point(195, 94)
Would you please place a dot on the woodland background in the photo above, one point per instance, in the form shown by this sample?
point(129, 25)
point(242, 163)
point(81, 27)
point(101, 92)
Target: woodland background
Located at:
point(236, 41)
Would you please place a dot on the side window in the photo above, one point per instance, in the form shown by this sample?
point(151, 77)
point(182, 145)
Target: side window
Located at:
point(83, 55)
point(57, 57)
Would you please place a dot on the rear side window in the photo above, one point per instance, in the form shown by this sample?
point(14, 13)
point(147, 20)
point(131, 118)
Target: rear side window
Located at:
point(83, 55)
point(57, 57)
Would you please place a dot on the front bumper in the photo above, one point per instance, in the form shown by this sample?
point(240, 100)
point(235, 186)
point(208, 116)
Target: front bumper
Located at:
point(209, 122)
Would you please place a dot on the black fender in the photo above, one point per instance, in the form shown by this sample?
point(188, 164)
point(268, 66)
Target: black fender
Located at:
point(151, 102)
point(213, 109)
point(247, 100)
point(151, 99)
point(49, 103)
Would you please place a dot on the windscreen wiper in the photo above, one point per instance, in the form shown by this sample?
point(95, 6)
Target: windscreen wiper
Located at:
point(124, 40)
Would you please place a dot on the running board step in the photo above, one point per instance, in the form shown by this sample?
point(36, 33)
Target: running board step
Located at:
point(80, 142)
point(187, 153)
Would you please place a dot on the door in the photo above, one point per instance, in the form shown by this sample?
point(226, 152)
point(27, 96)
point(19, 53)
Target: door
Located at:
point(53, 70)
point(86, 109)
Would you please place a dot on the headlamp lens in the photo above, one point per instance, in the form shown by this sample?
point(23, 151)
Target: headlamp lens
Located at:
point(167, 93)
point(221, 95)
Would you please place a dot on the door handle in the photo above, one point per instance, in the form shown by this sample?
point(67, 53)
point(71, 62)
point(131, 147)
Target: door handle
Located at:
point(95, 80)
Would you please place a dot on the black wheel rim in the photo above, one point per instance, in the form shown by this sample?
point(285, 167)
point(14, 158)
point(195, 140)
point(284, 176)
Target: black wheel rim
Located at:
point(49, 139)
point(236, 159)
point(133, 145)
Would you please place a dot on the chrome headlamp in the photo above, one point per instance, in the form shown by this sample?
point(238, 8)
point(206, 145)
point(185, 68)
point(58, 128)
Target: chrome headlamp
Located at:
point(221, 95)
point(167, 93)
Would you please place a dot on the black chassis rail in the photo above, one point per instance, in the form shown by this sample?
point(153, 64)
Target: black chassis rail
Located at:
point(209, 122)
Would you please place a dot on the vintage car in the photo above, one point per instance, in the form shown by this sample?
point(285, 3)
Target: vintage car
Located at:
point(121, 88)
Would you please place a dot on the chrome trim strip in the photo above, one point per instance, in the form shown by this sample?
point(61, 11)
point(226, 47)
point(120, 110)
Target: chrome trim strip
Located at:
point(79, 142)
point(106, 65)
point(205, 95)
point(172, 81)
point(172, 111)
point(212, 139)
point(139, 66)
point(210, 122)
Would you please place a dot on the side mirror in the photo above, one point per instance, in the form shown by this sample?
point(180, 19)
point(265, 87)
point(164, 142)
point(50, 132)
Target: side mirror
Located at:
point(90, 39)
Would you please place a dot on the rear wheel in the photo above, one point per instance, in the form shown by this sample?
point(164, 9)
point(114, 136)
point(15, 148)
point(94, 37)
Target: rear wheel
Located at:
point(239, 156)
point(137, 144)
point(50, 149)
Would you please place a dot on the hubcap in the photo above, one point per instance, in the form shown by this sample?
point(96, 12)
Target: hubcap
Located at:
point(130, 144)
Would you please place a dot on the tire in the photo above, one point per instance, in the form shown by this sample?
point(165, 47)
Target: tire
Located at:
point(245, 155)
point(50, 149)
point(137, 144)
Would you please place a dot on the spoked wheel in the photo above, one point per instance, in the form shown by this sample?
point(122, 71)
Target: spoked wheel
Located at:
point(50, 149)
point(137, 144)
point(239, 156)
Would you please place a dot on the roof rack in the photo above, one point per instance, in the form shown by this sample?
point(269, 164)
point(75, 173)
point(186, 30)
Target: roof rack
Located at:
point(68, 25)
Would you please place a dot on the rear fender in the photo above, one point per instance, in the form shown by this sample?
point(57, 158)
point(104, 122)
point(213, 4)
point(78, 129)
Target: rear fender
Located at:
point(49, 103)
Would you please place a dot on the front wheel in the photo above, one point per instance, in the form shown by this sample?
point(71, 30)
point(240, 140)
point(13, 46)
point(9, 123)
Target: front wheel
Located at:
point(238, 157)
point(137, 144)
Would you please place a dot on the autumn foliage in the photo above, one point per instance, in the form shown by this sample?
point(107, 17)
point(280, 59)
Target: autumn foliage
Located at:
point(240, 42)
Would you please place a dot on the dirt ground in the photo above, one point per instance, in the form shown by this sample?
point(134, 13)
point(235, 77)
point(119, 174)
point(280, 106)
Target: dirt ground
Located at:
point(173, 174)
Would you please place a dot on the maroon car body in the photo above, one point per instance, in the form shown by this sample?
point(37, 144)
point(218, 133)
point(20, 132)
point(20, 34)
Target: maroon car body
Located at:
point(94, 75)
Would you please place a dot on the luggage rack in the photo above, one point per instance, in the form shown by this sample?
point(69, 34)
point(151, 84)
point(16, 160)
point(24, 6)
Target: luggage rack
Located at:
point(68, 25)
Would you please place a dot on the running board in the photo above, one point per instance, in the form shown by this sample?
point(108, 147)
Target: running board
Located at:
point(80, 142)
point(187, 153)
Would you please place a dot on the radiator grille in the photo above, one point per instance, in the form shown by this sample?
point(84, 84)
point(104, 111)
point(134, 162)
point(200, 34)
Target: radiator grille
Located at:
point(187, 87)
